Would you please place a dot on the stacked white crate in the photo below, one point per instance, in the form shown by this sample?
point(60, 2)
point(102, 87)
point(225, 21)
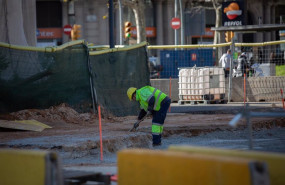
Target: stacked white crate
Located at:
point(204, 81)
point(194, 83)
point(183, 84)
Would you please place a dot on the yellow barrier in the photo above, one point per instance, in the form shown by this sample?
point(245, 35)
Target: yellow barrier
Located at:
point(126, 48)
point(154, 167)
point(189, 46)
point(215, 45)
point(261, 44)
point(46, 49)
point(106, 48)
point(275, 162)
point(28, 167)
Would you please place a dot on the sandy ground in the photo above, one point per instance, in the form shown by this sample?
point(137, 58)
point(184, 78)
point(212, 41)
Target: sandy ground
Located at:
point(75, 137)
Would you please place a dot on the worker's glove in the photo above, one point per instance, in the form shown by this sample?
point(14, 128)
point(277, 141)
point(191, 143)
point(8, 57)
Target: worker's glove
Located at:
point(136, 125)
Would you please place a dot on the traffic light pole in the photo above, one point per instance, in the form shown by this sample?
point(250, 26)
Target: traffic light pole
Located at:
point(111, 24)
point(231, 68)
point(120, 22)
point(182, 23)
point(175, 15)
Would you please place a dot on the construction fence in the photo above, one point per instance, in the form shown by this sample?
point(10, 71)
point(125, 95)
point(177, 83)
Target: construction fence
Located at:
point(85, 76)
point(173, 70)
point(263, 59)
point(33, 77)
point(114, 71)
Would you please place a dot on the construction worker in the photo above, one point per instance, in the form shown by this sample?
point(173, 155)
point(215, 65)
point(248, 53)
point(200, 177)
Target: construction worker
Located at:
point(225, 61)
point(152, 102)
point(242, 67)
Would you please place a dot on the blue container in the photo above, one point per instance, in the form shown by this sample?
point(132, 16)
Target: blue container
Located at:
point(171, 60)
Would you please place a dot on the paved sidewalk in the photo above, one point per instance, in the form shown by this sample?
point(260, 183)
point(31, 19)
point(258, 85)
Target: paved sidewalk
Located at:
point(230, 108)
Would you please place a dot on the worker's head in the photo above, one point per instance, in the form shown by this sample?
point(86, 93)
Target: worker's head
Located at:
point(243, 55)
point(131, 93)
point(229, 51)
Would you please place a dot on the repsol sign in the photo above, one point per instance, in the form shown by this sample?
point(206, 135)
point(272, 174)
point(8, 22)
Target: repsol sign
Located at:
point(232, 14)
point(232, 23)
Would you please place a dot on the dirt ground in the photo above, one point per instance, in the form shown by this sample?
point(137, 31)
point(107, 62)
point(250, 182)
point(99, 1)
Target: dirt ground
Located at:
point(66, 121)
point(76, 136)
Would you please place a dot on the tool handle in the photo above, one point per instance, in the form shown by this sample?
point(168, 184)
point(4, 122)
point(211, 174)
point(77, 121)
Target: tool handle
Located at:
point(137, 124)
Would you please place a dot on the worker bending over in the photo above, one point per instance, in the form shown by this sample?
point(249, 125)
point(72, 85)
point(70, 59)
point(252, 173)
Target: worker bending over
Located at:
point(152, 102)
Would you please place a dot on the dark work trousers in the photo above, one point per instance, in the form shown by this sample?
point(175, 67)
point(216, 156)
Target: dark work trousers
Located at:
point(227, 73)
point(158, 119)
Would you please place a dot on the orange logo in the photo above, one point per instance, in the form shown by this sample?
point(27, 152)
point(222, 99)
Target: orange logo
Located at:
point(232, 11)
point(194, 56)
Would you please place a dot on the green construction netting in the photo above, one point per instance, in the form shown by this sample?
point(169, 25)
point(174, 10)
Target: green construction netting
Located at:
point(114, 73)
point(36, 79)
point(39, 79)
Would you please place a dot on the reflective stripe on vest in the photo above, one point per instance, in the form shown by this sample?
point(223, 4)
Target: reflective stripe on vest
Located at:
point(156, 101)
point(156, 106)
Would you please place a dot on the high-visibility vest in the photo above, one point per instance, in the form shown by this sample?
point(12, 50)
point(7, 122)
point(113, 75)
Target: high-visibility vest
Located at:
point(145, 93)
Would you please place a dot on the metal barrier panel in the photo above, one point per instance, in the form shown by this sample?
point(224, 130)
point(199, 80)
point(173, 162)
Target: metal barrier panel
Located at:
point(171, 60)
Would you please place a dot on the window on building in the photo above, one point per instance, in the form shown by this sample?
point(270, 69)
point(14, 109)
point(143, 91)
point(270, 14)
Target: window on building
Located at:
point(49, 14)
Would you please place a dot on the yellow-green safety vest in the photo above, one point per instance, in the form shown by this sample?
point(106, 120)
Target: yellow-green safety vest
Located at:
point(145, 93)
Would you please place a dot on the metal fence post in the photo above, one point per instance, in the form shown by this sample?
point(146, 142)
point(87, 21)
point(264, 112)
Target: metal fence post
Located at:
point(231, 69)
point(247, 115)
point(249, 125)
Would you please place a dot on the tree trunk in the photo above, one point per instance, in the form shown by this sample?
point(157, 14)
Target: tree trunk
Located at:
point(18, 22)
point(3, 22)
point(140, 22)
point(217, 8)
point(30, 21)
point(138, 8)
point(217, 38)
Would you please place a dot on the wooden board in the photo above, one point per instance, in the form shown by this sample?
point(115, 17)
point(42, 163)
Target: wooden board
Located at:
point(31, 125)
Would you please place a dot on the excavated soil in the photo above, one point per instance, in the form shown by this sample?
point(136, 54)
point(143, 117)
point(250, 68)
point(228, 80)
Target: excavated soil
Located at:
point(76, 138)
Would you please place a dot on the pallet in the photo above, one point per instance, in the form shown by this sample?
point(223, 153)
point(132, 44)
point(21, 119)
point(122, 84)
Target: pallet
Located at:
point(194, 102)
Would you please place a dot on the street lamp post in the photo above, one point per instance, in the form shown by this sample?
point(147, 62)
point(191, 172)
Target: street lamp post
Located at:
point(111, 24)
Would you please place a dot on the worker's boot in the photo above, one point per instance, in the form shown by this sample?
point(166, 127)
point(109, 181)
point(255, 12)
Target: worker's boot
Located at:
point(156, 144)
point(156, 140)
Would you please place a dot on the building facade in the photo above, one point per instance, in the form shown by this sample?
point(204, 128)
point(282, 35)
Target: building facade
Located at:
point(198, 18)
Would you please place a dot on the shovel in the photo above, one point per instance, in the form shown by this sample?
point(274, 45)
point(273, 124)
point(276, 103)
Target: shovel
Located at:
point(137, 124)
